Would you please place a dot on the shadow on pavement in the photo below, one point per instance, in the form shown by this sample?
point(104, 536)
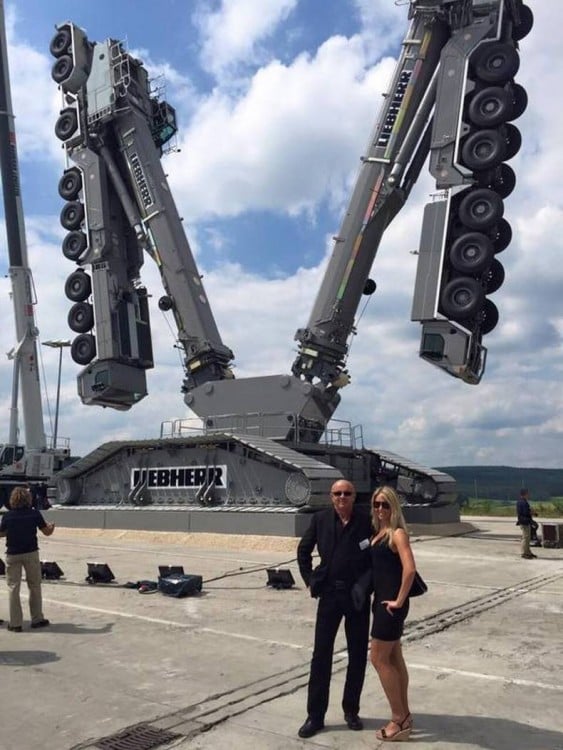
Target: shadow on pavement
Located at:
point(486, 732)
point(72, 629)
point(26, 658)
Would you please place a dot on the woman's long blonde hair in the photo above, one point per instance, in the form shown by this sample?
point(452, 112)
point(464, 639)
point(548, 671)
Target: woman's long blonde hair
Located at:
point(20, 497)
point(397, 520)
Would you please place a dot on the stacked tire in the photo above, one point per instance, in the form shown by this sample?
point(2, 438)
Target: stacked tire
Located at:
point(70, 49)
point(478, 231)
point(78, 286)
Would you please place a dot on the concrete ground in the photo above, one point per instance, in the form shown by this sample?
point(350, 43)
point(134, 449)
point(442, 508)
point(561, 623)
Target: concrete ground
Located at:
point(227, 670)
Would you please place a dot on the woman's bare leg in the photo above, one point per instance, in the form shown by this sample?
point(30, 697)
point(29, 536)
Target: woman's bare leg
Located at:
point(391, 680)
point(398, 661)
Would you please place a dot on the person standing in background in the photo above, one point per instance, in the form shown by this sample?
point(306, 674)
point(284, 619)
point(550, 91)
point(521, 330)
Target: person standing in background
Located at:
point(19, 525)
point(524, 513)
point(341, 535)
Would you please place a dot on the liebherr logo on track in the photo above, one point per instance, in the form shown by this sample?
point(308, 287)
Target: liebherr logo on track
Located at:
point(141, 180)
point(180, 477)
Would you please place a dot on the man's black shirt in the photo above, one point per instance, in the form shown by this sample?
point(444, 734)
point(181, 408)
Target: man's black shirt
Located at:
point(21, 527)
point(345, 549)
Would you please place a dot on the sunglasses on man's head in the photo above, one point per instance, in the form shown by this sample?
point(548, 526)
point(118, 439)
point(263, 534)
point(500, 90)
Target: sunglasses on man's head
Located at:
point(342, 493)
point(381, 504)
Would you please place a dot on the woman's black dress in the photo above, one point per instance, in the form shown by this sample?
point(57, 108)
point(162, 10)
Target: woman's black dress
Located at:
point(387, 572)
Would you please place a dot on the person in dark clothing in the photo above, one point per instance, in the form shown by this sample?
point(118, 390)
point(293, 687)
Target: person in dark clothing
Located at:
point(19, 525)
point(393, 569)
point(525, 521)
point(39, 499)
point(341, 535)
point(535, 540)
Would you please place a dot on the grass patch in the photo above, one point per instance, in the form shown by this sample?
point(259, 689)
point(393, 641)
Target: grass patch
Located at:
point(552, 508)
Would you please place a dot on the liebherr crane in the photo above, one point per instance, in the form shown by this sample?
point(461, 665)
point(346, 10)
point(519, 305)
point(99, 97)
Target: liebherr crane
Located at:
point(267, 440)
point(31, 459)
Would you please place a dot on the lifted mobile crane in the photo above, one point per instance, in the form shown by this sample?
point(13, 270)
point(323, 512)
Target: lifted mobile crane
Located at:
point(32, 461)
point(268, 441)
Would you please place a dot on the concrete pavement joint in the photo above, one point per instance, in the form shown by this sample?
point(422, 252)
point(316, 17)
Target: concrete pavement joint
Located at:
point(445, 618)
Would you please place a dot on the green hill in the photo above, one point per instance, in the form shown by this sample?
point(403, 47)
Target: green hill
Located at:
point(504, 482)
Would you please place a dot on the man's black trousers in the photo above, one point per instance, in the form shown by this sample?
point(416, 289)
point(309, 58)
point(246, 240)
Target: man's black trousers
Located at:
point(332, 607)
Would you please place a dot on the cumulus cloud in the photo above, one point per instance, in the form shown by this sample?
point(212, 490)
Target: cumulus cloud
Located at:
point(288, 142)
point(383, 25)
point(35, 101)
point(230, 34)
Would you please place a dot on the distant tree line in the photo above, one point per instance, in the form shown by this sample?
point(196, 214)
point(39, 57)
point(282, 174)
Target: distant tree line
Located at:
point(505, 482)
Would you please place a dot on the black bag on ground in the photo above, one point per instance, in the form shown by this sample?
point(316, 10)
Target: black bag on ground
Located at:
point(180, 585)
point(418, 587)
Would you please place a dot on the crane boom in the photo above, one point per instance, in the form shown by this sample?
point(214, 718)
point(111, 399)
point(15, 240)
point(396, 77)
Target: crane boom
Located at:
point(24, 352)
point(375, 201)
point(114, 129)
point(28, 459)
point(452, 96)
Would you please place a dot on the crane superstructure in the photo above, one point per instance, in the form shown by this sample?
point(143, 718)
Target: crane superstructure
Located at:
point(452, 98)
point(29, 459)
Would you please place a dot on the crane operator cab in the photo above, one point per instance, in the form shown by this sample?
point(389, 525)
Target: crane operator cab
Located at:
point(11, 457)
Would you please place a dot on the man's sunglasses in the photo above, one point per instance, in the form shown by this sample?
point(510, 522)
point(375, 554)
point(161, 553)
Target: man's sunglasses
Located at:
point(342, 493)
point(381, 504)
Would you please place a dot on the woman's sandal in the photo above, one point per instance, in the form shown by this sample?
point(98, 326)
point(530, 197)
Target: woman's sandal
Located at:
point(402, 734)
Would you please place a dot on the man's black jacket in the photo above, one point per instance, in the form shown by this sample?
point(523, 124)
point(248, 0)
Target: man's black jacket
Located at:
point(321, 534)
point(524, 512)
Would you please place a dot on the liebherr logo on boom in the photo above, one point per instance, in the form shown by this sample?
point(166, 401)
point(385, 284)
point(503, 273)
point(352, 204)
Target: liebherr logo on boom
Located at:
point(141, 180)
point(394, 108)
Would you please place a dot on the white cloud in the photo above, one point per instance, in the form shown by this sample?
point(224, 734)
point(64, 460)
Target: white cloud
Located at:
point(288, 143)
point(383, 25)
point(230, 34)
point(35, 99)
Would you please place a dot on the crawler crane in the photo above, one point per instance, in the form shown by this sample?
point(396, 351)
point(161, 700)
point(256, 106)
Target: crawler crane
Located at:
point(267, 441)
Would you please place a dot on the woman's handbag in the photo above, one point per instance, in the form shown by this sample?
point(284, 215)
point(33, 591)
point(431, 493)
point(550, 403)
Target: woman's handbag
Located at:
point(418, 587)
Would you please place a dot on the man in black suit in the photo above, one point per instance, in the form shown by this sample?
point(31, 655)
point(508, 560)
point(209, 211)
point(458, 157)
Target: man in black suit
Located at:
point(341, 535)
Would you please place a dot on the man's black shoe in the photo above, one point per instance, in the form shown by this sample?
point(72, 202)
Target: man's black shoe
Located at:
point(310, 727)
point(354, 722)
point(15, 628)
point(40, 624)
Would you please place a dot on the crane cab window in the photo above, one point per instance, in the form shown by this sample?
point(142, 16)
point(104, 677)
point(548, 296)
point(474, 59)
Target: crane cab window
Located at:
point(10, 454)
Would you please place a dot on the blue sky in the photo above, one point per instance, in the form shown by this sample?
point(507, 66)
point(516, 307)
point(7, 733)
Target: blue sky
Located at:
point(275, 102)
